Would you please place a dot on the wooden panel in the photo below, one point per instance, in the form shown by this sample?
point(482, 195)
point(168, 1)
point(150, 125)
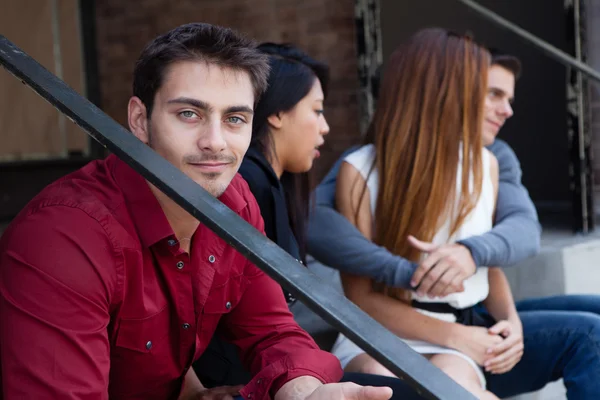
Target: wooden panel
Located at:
point(48, 30)
point(28, 124)
point(72, 66)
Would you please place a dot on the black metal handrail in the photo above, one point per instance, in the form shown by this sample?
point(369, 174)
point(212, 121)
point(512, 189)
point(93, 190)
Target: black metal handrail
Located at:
point(530, 38)
point(429, 381)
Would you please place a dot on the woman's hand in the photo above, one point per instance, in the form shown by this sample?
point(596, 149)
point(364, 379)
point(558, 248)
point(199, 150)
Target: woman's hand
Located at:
point(505, 355)
point(475, 342)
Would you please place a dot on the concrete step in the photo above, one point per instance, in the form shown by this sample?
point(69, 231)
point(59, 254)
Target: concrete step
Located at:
point(567, 264)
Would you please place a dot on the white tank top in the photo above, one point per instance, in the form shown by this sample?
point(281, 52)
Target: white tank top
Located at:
point(477, 222)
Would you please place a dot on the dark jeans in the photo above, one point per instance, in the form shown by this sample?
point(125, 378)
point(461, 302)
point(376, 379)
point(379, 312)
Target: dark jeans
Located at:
point(562, 340)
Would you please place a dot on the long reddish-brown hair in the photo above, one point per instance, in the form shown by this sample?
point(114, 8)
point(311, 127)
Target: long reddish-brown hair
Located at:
point(430, 107)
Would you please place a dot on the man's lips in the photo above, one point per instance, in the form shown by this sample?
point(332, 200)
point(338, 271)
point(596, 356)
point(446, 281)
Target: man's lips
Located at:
point(497, 125)
point(211, 166)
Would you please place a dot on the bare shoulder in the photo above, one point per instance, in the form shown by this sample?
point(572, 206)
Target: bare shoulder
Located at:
point(349, 174)
point(351, 186)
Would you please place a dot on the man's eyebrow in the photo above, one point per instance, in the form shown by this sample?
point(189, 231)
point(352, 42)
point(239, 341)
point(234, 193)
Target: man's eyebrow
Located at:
point(202, 105)
point(239, 109)
point(497, 89)
point(192, 102)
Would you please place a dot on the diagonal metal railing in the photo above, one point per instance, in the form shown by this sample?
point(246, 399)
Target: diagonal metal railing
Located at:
point(583, 180)
point(426, 379)
point(550, 50)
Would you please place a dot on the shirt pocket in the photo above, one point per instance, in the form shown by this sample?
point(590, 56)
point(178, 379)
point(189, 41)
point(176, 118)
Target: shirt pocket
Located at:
point(144, 335)
point(222, 300)
point(144, 360)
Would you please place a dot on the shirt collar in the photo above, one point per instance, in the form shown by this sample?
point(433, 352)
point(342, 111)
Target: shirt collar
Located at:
point(233, 197)
point(147, 214)
point(145, 210)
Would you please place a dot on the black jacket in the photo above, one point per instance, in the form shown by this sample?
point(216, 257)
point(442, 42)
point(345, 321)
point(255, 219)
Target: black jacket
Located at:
point(269, 194)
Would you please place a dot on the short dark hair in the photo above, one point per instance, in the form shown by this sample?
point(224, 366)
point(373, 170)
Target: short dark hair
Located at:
point(291, 77)
point(197, 41)
point(505, 60)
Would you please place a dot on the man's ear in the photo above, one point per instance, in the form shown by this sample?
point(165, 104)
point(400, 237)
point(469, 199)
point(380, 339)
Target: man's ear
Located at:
point(275, 120)
point(137, 118)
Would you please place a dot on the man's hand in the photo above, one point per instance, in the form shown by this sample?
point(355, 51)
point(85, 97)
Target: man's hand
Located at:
point(506, 354)
point(350, 391)
point(444, 269)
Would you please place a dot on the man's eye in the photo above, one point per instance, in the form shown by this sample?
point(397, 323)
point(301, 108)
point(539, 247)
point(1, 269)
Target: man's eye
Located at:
point(187, 114)
point(235, 120)
point(320, 112)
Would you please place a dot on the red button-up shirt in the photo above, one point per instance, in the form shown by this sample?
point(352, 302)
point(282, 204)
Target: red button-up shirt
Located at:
point(97, 300)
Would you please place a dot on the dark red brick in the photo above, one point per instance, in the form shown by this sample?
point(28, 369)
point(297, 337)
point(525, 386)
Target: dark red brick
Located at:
point(325, 29)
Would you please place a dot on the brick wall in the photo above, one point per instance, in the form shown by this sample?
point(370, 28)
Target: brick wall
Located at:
point(324, 29)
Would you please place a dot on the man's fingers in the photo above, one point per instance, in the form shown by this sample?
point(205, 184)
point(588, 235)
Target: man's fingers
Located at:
point(420, 245)
point(432, 277)
point(424, 269)
point(455, 286)
point(367, 393)
point(444, 280)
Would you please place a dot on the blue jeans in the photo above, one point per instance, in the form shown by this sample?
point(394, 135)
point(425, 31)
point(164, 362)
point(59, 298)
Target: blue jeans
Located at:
point(562, 340)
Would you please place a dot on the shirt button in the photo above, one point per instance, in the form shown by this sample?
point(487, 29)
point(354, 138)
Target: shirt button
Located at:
point(228, 305)
point(249, 395)
point(186, 326)
point(148, 345)
point(258, 381)
point(172, 242)
point(180, 264)
point(211, 259)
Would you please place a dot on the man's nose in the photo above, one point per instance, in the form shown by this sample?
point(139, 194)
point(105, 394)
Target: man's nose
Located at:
point(212, 138)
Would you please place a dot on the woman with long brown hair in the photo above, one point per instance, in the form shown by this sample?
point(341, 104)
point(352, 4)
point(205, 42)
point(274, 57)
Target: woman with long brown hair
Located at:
point(425, 174)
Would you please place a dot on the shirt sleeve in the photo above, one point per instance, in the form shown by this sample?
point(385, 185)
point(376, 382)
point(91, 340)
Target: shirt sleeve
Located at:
point(517, 231)
point(335, 242)
point(54, 297)
point(271, 344)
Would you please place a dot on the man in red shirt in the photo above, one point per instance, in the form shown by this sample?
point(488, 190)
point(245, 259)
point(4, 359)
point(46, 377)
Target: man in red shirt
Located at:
point(108, 289)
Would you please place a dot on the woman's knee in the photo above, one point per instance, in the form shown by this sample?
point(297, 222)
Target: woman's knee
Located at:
point(462, 372)
point(366, 364)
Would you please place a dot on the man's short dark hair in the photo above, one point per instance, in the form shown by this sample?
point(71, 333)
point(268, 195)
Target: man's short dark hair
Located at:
point(198, 42)
point(505, 60)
